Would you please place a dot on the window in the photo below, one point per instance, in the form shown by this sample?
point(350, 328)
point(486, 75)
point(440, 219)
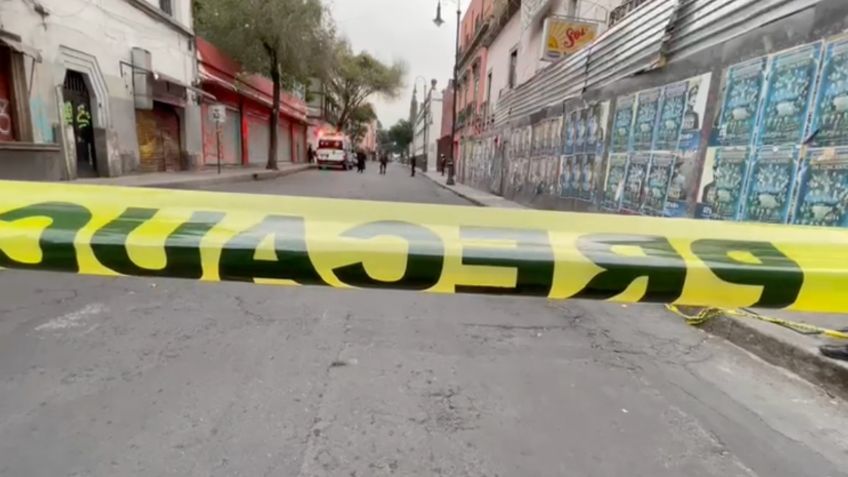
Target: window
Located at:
point(330, 144)
point(513, 65)
point(476, 82)
point(166, 6)
point(488, 93)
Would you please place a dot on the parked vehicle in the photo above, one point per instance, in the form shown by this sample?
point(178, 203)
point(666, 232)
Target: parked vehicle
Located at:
point(333, 151)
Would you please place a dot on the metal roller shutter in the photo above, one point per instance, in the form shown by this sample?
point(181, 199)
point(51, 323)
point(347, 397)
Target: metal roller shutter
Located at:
point(285, 141)
point(259, 134)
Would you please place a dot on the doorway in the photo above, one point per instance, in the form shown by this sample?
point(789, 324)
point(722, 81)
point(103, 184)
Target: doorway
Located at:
point(77, 114)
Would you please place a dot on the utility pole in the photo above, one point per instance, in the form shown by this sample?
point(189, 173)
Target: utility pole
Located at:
point(438, 21)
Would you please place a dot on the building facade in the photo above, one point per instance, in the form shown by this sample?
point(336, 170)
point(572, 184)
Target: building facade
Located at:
point(471, 70)
point(368, 143)
point(445, 144)
point(97, 89)
point(320, 113)
point(427, 128)
point(716, 109)
point(244, 138)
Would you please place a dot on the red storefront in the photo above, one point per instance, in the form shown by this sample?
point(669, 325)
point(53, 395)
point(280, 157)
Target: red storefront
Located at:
point(246, 133)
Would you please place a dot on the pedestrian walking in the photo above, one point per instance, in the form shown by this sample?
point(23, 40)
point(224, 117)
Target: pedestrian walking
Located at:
point(412, 163)
point(443, 162)
point(360, 161)
point(384, 161)
point(310, 154)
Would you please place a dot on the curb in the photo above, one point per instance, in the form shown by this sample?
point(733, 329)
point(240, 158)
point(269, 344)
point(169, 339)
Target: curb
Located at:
point(831, 375)
point(214, 180)
point(456, 192)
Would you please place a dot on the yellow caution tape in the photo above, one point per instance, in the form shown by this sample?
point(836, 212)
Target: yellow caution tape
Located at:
point(208, 236)
point(804, 328)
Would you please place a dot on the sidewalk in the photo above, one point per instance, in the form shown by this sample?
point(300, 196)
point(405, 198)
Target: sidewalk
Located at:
point(471, 194)
point(202, 177)
point(775, 344)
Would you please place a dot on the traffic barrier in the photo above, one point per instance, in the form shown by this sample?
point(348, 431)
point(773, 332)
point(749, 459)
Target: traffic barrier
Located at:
point(209, 236)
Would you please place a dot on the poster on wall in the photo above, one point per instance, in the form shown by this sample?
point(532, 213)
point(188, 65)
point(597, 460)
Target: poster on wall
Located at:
point(657, 186)
point(830, 120)
point(680, 182)
point(789, 92)
point(557, 132)
point(588, 178)
point(646, 119)
point(685, 168)
point(518, 175)
point(742, 92)
point(634, 186)
point(823, 196)
point(622, 124)
point(723, 196)
point(616, 174)
point(674, 98)
point(553, 175)
point(770, 185)
point(534, 176)
point(580, 131)
point(570, 133)
point(595, 134)
point(567, 177)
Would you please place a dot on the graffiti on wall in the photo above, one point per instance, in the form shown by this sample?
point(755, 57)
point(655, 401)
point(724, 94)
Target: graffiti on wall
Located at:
point(41, 121)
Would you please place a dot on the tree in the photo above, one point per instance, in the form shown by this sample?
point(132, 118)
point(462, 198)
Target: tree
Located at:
point(286, 40)
point(355, 78)
point(359, 120)
point(401, 135)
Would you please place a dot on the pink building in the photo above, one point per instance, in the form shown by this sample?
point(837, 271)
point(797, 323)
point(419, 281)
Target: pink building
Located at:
point(369, 141)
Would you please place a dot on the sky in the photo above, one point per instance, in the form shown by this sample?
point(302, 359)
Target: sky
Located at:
point(401, 30)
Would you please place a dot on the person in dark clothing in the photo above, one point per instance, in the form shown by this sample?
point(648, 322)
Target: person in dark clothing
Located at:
point(412, 163)
point(310, 154)
point(360, 161)
point(443, 162)
point(384, 161)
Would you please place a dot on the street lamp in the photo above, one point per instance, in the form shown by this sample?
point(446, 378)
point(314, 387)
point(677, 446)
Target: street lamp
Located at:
point(439, 22)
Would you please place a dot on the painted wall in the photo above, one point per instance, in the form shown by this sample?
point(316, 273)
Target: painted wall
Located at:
point(475, 14)
point(96, 38)
point(498, 59)
point(447, 110)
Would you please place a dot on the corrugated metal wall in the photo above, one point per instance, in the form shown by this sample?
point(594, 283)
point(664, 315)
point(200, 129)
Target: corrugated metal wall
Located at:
point(657, 32)
point(701, 24)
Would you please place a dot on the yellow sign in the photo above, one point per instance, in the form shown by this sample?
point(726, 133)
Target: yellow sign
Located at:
point(565, 36)
point(209, 236)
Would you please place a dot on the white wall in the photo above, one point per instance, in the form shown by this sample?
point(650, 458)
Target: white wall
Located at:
point(428, 126)
point(498, 59)
point(435, 130)
point(101, 34)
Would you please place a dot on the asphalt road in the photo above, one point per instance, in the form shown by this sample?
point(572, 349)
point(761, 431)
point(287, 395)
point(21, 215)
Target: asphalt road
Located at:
point(125, 377)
